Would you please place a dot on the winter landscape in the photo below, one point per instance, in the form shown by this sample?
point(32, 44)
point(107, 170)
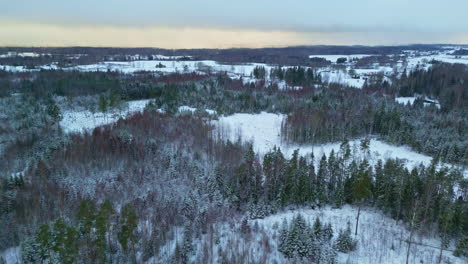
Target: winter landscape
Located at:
point(233, 137)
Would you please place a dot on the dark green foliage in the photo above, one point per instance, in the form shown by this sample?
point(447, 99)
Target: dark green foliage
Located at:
point(259, 72)
point(53, 110)
point(103, 104)
point(345, 243)
point(128, 224)
point(300, 241)
point(462, 247)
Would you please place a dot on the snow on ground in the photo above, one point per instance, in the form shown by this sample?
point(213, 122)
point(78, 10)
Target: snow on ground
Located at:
point(342, 77)
point(379, 237)
point(21, 54)
point(77, 121)
point(413, 62)
point(264, 132)
point(333, 58)
point(410, 100)
point(11, 255)
point(405, 100)
point(21, 68)
point(167, 66)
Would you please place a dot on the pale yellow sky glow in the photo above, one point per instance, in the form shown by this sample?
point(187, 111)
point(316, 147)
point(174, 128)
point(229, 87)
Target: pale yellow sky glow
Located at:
point(30, 34)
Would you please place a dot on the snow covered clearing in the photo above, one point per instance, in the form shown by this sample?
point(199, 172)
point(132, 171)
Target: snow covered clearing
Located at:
point(264, 132)
point(333, 58)
point(21, 54)
point(410, 101)
point(11, 255)
point(405, 100)
point(380, 238)
point(342, 77)
point(171, 66)
point(77, 121)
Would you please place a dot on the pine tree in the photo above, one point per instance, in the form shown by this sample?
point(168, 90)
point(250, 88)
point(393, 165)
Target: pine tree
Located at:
point(44, 240)
point(290, 186)
point(461, 249)
point(29, 250)
point(333, 171)
point(345, 243)
point(53, 110)
point(86, 216)
point(317, 228)
point(114, 98)
point(327, 232)
point(361, 187)
point(102, 228)
point(312, 179)
point(102, 103)
point(322, 176)
point(283, 236)
point(187, 246)
point(128, 224)
point(304, 191)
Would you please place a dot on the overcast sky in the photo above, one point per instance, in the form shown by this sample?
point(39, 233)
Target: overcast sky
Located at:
point(235, 23)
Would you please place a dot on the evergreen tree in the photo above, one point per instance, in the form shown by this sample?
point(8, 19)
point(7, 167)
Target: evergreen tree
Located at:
point(29, 250)
point(44, 240)
point(187, 246)
point(53, 110)
point(304, 192)
point(103, 103)
point(86, 216)
point(361, 187)
point(103, 219)
point(317, 228)
point(128, 224)
point(461, 249)
point(327, 232)
point(345, 243)
point(322, 177)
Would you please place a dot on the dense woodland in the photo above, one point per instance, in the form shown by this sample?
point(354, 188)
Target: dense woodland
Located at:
point(122, 193)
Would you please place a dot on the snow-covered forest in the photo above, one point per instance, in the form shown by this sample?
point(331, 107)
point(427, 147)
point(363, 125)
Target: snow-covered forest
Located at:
point(266, 156)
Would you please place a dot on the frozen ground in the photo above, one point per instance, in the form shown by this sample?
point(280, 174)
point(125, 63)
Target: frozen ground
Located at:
point(264, 131)
point(78, 121)
point(410, 101)
point(379, 237)
point(333, 58)
point(11, 255)
point(409, 60)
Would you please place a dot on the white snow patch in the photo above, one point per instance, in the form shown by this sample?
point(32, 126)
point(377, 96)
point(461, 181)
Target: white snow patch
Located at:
point(333, 58)
point(264, 132)
point(379, 237)
point(77, 121)
point(405, 100)
point(11, 255)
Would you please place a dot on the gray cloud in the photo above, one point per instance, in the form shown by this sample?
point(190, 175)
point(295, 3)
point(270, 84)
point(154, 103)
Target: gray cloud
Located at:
point(292, 15)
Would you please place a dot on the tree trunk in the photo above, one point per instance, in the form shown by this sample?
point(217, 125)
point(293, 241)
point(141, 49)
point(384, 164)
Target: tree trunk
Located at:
point(441, 250)
point(357, 218)
point(411, 232)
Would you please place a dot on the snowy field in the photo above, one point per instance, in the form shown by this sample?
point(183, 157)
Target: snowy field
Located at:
point(381, 240)
point(79, 121)
point(333, 58)
point(264, 132)
point(410, 101)
point(171, 64)
point(379, 237)
point(11, 255)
